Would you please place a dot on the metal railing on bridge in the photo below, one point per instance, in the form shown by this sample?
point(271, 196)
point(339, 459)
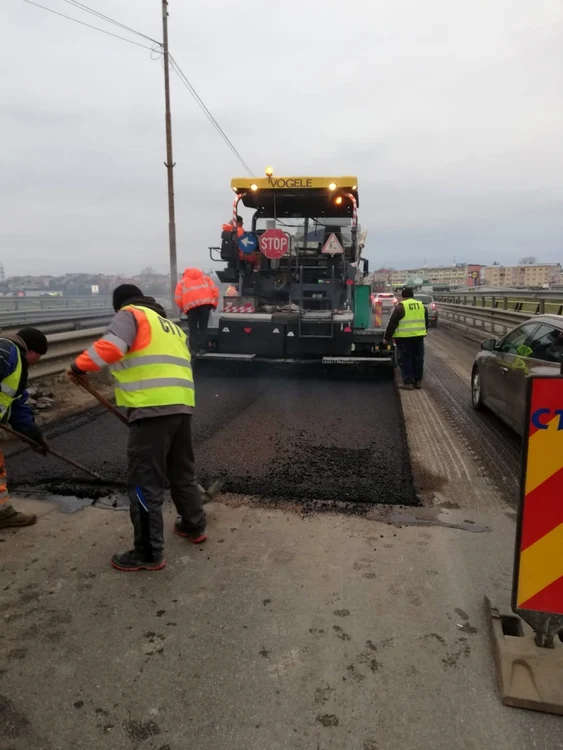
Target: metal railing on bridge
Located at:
point(12, 304)
point(55, 320)
point(58, 314)
point(535, 303)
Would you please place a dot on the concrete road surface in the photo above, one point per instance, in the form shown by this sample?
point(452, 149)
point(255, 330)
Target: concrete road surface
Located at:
point(287, 630)
point(281, 633)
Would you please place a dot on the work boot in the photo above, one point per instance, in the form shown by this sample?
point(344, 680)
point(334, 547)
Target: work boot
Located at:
point(11, 519)
point(406, 387)
point(133, 561)
point(195, 537)
point(418, 386)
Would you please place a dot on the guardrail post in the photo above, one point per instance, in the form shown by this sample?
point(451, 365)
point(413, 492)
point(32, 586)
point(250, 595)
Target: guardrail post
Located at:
point(541, 307)
point(505, 303)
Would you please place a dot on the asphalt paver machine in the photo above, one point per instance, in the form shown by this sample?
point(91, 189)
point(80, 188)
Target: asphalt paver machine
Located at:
point(297, 272)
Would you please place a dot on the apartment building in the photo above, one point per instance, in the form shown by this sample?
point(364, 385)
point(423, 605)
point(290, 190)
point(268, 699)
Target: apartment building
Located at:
point(460, 274)
point(536, 275)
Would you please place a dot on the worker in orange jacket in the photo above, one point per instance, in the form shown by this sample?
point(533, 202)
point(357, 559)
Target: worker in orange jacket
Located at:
point(229, 227)
point(196, 296)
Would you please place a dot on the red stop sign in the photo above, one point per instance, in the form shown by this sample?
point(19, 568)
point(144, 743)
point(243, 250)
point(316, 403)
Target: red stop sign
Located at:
point(274, 243)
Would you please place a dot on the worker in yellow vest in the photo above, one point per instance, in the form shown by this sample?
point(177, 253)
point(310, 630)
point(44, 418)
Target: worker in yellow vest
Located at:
point(17, 352)
point(408, 325)
point(150, 361)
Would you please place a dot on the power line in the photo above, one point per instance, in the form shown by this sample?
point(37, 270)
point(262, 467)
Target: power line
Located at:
point(96, 28)
point(187, 83)
point(175, 66)
point(103, 17)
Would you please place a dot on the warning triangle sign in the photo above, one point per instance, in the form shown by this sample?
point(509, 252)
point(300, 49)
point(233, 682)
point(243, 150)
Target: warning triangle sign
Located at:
point(332, 246)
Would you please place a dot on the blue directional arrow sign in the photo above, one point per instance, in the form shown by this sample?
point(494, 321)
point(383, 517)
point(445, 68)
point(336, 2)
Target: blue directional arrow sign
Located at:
point(247, 242)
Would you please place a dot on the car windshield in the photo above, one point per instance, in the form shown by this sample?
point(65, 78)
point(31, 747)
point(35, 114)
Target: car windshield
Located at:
point(424, 298)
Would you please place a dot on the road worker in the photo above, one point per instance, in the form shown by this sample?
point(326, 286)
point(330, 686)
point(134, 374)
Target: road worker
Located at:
point(16, 354)
point(196, 296)
point(239, 228)
point(151, 364)
point(231, 291)
point(408, 324)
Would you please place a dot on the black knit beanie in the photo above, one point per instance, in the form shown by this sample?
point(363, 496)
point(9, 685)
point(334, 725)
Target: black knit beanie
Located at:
point(123, 293)
point(35, 340)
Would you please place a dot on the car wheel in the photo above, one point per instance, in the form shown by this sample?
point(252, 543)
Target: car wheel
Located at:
point(476, 392)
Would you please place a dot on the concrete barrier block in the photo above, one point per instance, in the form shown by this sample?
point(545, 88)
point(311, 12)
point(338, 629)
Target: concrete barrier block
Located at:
point(529, 676)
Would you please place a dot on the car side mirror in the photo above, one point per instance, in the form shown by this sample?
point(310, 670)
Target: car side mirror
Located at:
point(489, 345)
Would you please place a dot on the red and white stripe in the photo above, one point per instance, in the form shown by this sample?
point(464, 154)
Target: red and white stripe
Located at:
point(236, 307)
point(354, 210)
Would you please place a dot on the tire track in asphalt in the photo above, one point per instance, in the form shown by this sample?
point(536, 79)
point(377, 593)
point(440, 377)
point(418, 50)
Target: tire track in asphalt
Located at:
point(492, 445)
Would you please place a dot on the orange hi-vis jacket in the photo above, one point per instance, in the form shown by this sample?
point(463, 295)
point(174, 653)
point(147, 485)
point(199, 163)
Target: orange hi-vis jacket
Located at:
point(229, 228)
point(130, 330)
point(194, 289)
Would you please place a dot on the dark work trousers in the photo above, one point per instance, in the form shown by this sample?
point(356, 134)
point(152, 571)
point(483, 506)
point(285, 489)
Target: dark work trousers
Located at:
point(411, 358)
point(198, 320)
point(160, 448)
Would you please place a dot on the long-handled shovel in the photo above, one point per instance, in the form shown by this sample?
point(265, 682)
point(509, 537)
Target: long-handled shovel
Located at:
point(33, 444)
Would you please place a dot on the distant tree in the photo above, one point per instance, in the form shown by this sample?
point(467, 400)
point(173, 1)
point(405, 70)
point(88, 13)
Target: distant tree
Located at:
point(528, 260)
point(496, 263)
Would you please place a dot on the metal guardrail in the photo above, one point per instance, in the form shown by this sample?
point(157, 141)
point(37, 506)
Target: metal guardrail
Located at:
point(55, 320)
point(11, 304)
point(535, 303)
point(63, 347)
point(481, 320)
point(52, 320)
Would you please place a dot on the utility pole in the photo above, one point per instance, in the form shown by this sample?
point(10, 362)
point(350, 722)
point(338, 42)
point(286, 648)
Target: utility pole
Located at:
point(169, 163)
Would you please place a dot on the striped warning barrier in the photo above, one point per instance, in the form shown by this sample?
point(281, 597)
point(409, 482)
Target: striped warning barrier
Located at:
point(537, 591)
point(377, 314)
point(237, 307)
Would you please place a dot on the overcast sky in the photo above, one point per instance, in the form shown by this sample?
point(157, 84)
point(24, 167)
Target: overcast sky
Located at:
point(449, 111)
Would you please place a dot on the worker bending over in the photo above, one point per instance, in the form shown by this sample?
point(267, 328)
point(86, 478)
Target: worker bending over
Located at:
point(16, 354)
point(196, 296)
point(150, 361)
point(408, 324)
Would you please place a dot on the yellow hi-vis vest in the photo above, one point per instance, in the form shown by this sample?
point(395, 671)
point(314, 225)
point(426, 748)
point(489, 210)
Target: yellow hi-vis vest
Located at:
point(414, 321)
point(160, 374)
point(9, 387)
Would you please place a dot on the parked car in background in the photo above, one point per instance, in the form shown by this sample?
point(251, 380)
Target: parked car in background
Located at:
point(500, 371)
point(387, 299)
point(431, 306)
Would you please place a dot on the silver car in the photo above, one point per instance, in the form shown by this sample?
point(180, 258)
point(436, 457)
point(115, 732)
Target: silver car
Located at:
point(498, 380)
